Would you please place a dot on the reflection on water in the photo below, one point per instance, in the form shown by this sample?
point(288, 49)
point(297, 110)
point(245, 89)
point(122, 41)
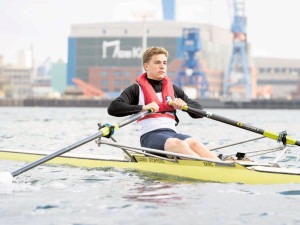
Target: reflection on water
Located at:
point(150, 192)
point(165, 178)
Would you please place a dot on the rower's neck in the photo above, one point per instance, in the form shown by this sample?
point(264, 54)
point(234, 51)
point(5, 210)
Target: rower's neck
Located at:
point(156, 84)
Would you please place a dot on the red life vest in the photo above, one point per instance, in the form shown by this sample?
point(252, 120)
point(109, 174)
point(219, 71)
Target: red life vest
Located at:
point(165, 110)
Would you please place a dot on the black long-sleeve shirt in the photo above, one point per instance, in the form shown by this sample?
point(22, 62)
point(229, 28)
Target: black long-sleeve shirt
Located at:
point(127, 103)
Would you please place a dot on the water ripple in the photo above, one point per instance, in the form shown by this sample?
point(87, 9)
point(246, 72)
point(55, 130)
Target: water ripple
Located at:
point(292, 192)
point(43, 207)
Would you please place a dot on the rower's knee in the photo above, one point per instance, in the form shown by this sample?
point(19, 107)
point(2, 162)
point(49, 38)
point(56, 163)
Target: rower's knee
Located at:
point(175, 142)
point(179, 146)
point(194, 143)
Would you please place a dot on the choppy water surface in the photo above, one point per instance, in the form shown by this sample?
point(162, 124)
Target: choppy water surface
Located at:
point(64, 195)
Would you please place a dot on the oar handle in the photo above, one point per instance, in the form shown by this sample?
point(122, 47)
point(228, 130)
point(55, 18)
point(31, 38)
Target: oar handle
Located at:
point(269, 134)
point(135, 117)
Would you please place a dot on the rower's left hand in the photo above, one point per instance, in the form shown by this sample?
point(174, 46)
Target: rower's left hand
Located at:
point(178, 103)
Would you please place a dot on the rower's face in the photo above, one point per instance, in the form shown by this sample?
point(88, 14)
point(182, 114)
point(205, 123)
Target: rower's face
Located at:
point(156, 68)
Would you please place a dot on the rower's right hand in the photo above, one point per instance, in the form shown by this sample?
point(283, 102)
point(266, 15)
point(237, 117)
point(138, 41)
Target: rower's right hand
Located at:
point(152, 105)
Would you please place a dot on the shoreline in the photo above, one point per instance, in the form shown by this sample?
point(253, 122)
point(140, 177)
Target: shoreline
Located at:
point(206, 103)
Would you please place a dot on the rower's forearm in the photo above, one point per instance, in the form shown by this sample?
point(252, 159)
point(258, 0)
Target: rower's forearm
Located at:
point(120, 109)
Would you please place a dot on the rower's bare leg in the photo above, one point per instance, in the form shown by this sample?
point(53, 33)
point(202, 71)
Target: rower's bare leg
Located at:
point(200, 149)
point(178, 146)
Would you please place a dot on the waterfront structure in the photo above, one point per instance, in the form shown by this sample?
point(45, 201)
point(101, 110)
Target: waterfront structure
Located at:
point(15, 82)
point(41, 87)
point(238, 71)
point(59, 76)
point(108, 55)
point(277, 78)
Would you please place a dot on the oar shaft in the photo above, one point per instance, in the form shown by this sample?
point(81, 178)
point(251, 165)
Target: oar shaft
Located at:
point(268, 134)
point(223, 119)
point(102, 132)
point(55, 154)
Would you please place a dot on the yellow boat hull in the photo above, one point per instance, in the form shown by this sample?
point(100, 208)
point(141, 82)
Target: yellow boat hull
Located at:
point(188, 169)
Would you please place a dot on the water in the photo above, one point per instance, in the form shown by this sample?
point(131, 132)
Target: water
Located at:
point(64, 195)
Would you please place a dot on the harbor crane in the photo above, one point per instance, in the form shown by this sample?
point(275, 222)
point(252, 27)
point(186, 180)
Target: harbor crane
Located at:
point(238, 71)
point(190, 71)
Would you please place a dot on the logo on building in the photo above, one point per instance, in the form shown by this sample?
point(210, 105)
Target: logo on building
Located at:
point(118, 53)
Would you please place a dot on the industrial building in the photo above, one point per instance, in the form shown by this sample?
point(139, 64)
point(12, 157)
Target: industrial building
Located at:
point(205, 60)
point(15, 81)
point(108, 55)
point(277, 78)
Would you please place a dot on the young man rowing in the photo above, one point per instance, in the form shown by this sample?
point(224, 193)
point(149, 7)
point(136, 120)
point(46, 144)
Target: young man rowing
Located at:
point(153, 91)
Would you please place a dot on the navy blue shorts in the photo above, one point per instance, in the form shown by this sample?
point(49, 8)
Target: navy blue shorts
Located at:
point(156, 139)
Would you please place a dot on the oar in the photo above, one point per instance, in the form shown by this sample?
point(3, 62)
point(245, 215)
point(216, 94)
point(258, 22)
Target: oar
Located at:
point(105, 131)
point(269, 134)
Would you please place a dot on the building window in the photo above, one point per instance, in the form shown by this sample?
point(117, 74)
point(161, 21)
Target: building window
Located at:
point(103, 73)
point(126, 73)
point(126, 82)
point(294, 71)
point(261, 70)
point(171, 74)
point(268, 70)
point(104, 82)
point(279, 70)
point(117, 73)
point(117, 82)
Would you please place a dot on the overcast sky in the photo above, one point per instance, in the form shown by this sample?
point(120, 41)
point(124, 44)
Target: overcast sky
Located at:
point(273, 28)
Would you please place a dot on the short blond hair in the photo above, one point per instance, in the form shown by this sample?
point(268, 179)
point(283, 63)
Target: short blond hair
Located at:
point(147, 55)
